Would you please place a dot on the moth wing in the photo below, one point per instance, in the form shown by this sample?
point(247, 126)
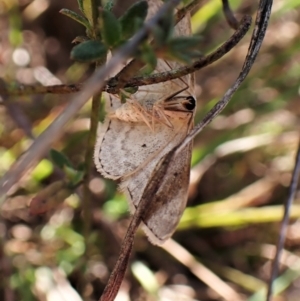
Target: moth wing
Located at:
point(158, 91)
point(168, 203)
point(123, 147)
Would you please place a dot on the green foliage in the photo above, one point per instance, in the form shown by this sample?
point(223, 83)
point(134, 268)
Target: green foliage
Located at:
point(115, 207)
point(110, 28)
point(109, 4)
point(80, 5)
point(87, 9)
point(42, 170)
point(184, 49)
point(149, 56)
point(74, 176)
point(59, 159)
point(164, 29)
point(131, 90)
point(15, 35)
point(132, 19)
point(89, 51)
point(80, 19)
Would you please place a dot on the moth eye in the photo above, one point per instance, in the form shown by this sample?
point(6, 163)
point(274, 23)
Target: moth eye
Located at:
point(190, 103)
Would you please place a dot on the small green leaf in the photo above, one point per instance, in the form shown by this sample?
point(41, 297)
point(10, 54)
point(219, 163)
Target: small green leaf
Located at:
point(164, 29)
point(126, 93)
point(123, 96)
point(110, 28)
point(80, 19)
point(109, 5)
point(185, 43)
point(183, 49)
point(87, 10)
point(77, 178)
point(131, 90)
point(80, 5)
point(73, 175)
point(132, 18)
point(149, 57)
point(90, 51)
point(59, 159)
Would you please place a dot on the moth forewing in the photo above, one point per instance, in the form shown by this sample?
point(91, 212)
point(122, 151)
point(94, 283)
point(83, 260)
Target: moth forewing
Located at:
point(167, 205)
point(111, 104)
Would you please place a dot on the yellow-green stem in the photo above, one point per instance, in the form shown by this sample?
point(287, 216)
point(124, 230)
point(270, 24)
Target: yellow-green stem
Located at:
point(87, 217)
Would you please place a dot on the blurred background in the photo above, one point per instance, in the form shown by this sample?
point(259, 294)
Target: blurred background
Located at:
point(241, 169)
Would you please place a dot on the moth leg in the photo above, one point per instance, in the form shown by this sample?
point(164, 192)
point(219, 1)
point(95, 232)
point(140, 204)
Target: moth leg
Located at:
point(142, 112)
point(158, 109)
point(157, 114)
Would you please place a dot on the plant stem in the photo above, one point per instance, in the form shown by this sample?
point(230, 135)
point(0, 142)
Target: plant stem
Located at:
point(95, 14)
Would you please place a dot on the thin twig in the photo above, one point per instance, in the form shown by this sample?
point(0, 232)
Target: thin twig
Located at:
point(183, 11)
point(88, 161)
point(92, 86)
point(284, 222)
point(261, 23)
point(201, 63)
point(35, 89)
point(201, 271)
point(230, 18)
point(121, 79)
point(119, 270)
point(114, 84)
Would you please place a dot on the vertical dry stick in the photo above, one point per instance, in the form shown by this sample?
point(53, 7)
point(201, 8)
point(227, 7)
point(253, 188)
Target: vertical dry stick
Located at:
point(92, 86)
point(119, 270)
point(91, 140)
point(89, 162)
point(284, 223)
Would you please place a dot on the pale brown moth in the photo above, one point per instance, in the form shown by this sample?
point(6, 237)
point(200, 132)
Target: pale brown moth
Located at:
point(137, 134)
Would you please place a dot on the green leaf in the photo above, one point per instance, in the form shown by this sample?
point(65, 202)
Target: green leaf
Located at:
point(90, 51)
point(184, 49)
point(164, 29)
point(87, 10)
point(185, 43)
point(131, 90)
point(110, 28)
point(73, 175)
point(109, 5)
point(77, 178)
point(59, 159)
point(133, 18)
point(183, 57)
point(91, 10)
point(80, 5)
point(149, 57)
point(80, 19)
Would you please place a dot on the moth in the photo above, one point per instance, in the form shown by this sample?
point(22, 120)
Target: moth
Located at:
point(137, 134)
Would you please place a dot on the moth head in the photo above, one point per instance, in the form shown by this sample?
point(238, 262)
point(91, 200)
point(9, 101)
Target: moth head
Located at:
point(189, 103)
